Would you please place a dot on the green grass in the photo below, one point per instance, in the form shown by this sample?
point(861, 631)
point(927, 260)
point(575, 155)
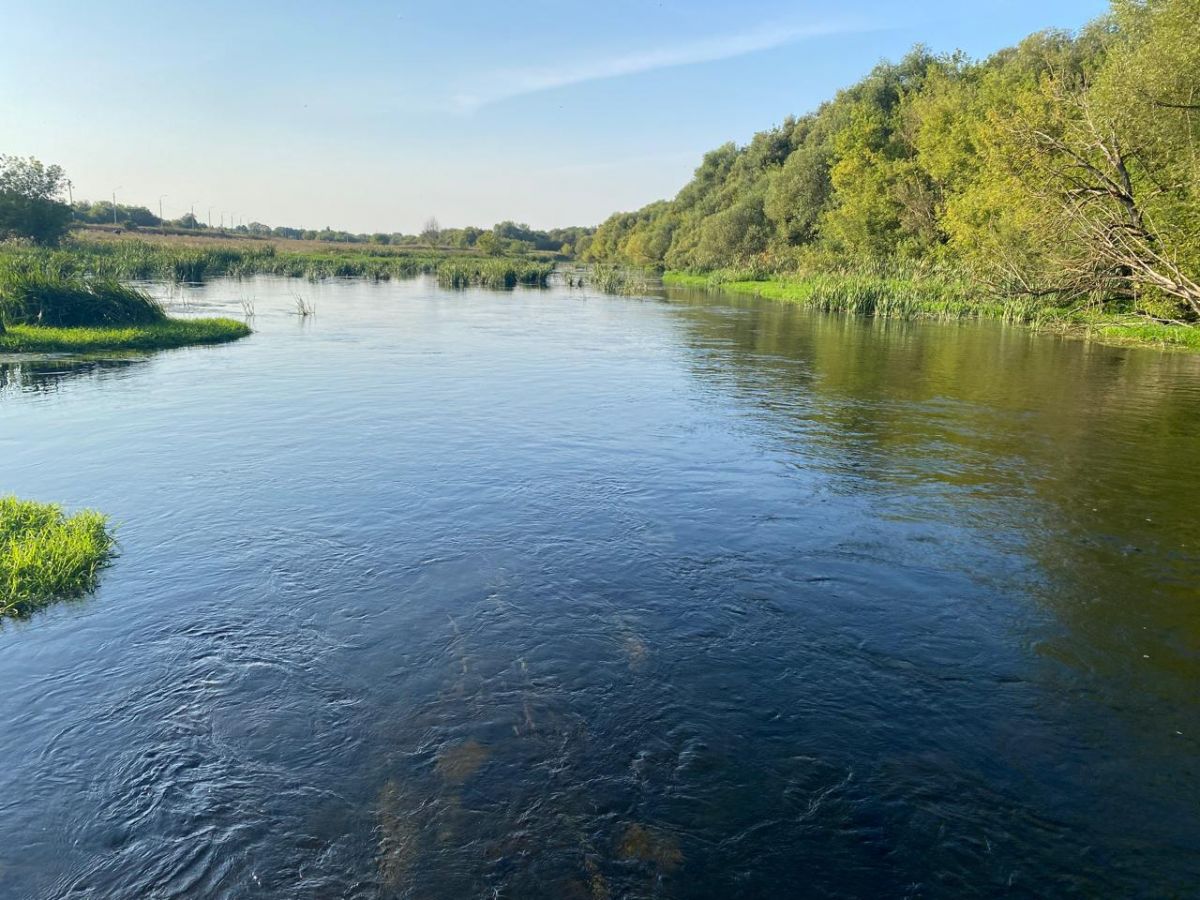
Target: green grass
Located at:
point(163, 335)
point(37, 296)
point(46, 555)
point(942, 298)
point(613, 279)
point(43, 311)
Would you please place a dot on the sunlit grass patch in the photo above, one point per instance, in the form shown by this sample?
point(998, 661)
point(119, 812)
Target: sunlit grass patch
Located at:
point(163, 335)
point(46, 555)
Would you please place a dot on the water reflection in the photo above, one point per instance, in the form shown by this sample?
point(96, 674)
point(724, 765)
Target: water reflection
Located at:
point(39, 374)
point(1067, 452)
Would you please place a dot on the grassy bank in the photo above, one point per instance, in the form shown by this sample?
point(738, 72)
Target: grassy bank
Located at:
point(942, 299)
point(45, 312)
point(46, 555)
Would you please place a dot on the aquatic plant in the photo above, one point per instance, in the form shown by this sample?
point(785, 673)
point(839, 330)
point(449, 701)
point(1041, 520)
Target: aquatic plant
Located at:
point(493, 273)
point(862, 293)
point(32, 296)
point(46, 555)
point(615, 279)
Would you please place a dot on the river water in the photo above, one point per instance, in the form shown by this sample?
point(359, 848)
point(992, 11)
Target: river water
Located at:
point(549, 594)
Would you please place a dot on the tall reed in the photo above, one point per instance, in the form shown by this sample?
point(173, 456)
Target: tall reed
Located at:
point(42, 297)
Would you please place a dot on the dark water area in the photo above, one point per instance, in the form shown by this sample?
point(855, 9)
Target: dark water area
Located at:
point(547, 594)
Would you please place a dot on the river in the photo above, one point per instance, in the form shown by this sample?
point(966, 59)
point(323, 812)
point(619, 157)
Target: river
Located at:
point(550, 594)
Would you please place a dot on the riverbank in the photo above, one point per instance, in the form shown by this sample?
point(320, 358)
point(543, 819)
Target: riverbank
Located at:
point(942, 299)
point(46, 555)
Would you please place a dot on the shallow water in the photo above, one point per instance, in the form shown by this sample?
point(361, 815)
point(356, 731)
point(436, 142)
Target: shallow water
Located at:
point(550, 594)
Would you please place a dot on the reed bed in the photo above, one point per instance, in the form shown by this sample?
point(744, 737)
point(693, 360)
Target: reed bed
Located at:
point(614, 279)
point(139, 260)
point(493, 273)
point(46, 555)
point(868, 294)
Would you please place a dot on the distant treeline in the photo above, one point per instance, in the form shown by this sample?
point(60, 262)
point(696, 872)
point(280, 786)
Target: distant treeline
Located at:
point(31, 209)
point(505, 238)
point(1067, 167)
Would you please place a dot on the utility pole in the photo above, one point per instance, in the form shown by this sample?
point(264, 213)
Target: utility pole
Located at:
point(160, 215)
point(209, 219)
point(114, 195)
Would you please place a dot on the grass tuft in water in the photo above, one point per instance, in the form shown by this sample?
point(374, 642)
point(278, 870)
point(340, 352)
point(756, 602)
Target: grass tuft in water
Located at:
point(613, 279)
point(493, 273)
point(46, 555)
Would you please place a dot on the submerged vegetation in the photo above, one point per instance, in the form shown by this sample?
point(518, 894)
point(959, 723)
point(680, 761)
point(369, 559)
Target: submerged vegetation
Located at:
point(1058, 180)
point(46, 555)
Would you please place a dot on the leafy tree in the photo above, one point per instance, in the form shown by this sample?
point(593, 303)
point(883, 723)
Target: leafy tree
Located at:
point(31, 204)
point(1065, 166)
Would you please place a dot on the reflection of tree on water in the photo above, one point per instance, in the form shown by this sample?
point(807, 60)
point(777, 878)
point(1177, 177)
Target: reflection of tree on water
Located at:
point(48, 374)
point(1071, 452)
point(1053, 471)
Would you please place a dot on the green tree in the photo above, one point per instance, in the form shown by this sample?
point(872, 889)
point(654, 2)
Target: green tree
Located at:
point(31, 204)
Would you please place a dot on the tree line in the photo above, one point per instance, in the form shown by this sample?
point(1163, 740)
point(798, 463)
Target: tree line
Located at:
point(32, 209)
point(1066, 167)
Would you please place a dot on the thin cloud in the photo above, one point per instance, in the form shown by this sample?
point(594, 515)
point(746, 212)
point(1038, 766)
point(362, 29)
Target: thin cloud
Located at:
point(507, 84)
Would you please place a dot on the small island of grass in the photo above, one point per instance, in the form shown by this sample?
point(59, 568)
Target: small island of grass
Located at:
point(46, 555)
point(43, 312)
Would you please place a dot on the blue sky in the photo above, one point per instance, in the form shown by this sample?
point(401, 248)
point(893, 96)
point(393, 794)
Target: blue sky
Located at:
point(376, 115)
